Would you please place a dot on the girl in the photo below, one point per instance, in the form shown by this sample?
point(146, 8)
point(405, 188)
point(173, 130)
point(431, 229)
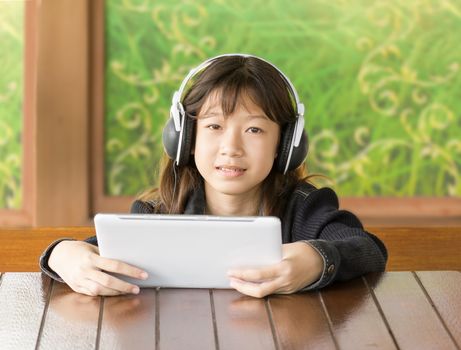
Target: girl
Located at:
point(235, 145)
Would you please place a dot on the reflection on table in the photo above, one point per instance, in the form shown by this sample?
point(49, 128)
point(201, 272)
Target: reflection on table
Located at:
point(408, 310)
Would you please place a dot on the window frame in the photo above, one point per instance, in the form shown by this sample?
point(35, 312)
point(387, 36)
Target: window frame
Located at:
point(47, 199)
point(24, 216)
point(382, 211)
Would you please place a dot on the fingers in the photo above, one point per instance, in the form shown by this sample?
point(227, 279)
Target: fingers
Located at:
point(255, 275)
point(109, 285)
point(257, 290)
point(112, 286)
point(96, 281)
point(93, 288)
point(119, 267)
point(81, 267)
point(256, 282)
point(99, 282)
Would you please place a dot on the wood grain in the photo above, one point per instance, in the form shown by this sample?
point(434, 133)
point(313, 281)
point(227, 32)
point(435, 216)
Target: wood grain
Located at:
point(413, 208)
point(23, 298)
point(185, 319)
point(410, 249)
point(351, 307)
point(242, 322)
point(444, 290)
point(410, 316)
point(128, 321)
point(402, 310)
point(421, 248)
point(20, 249)
point(300, 322)
point(61, 150)
point(71, 320)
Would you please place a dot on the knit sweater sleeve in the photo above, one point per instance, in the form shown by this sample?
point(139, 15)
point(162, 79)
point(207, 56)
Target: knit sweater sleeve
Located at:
point(347, 249)
point(138, 207)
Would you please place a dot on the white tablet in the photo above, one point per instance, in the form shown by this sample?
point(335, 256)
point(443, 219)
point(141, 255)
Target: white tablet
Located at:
point(188, 251)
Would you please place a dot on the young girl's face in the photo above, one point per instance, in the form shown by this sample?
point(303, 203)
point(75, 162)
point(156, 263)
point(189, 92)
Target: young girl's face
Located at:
point(234, 154)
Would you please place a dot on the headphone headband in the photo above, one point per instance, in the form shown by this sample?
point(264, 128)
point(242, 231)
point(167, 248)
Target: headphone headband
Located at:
point(177, 96)
point(178, 133)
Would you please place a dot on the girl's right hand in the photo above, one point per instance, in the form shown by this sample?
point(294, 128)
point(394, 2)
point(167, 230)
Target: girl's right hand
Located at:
point(84, 270)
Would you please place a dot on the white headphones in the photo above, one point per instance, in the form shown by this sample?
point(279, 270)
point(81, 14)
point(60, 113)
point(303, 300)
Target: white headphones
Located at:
point(177, 135)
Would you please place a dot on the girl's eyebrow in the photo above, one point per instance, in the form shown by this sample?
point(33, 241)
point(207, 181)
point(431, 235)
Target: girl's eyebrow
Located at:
point(256, 116)
point(218, 114)
point(210, 114)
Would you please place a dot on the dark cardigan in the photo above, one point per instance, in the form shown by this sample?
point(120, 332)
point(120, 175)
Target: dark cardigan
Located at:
point(310, 215)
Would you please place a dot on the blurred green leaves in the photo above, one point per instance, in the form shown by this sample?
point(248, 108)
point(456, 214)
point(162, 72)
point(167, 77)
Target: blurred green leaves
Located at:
point(381, 81)
point(11, 80)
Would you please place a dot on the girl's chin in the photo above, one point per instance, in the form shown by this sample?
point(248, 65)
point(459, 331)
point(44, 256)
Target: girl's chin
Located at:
point(232, 188)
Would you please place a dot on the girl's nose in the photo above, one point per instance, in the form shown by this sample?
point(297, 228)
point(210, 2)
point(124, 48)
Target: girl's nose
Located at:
point(231, 144)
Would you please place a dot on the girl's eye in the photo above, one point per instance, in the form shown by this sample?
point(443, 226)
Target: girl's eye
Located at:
point(213, 126)
point(254, 130)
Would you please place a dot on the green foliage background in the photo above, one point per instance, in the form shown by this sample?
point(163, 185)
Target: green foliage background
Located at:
point(381, 81)
point(11, 76)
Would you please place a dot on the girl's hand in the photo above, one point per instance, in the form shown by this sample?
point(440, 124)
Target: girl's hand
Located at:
point(301, 265)
point(80, 266)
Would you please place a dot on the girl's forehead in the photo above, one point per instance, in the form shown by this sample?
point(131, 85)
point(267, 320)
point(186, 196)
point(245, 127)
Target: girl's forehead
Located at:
point(214, 103)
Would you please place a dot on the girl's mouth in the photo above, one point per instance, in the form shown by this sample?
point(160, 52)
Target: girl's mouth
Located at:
point(230, 171)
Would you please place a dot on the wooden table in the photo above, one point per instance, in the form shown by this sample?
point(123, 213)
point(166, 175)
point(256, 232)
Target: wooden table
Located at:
point(410, 248)
point(393, 310)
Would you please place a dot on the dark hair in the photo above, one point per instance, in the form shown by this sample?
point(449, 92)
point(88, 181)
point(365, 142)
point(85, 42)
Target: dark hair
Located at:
point(232, 77)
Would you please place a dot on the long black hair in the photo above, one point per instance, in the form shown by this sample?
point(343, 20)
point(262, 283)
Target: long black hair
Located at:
point(233, 78)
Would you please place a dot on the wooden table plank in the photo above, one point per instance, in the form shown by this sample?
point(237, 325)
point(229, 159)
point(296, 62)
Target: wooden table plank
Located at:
point(185, 319)
point(421, 248)
point(432, 248)
point(242, 322)
point(355, 318)
point(181, 318)
point(20, 248)
point(410, 316)
point(23, 298)
point(129, 321)
point(444, 289)
point(300, 321)
point(71, 320)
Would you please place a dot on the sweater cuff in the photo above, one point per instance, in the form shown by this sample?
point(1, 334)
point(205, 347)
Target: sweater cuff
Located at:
point(331, 261)
point(43, 261)
point(92, 240)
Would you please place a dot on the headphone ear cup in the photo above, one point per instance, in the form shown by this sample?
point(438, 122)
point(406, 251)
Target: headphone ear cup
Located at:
point(187, 140)
point(298, 154)
point(170, 139)
point(284, 147)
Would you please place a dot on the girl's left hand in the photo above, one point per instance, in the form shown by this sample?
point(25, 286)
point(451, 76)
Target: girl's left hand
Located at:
point(301, 265)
